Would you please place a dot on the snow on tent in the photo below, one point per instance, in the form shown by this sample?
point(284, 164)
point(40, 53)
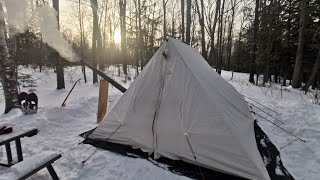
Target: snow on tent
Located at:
point(179, 108)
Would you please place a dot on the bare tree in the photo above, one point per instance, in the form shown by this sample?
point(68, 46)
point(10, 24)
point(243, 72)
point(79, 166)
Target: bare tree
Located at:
point(140, 40)
point(201, 22)
point(230, 30)
point(82, 40)
point(212, 33)
point(96, 38)
point(239, 38)
point(188, 27)
point(182, 21)
point(164, 6)
point(296, 79)
point(8, 74)
point(220, 37)
point(123, 4)
point(254, 41)
point(313, 76)
point(59, 66)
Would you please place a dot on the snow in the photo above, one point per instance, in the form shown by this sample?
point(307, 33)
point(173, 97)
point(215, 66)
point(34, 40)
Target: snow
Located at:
point(263, 143)
point(300, 116)
point(278, 169)
point(266, 160)
point(28, 165)
point(59, 128)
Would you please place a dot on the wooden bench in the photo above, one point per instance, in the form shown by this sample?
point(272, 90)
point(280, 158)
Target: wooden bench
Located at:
point(31, 165)
point(16, 135)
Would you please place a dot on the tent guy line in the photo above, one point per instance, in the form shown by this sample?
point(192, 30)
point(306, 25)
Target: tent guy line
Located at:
point(250, 104)
point(261, 104)
point(278, 126)
point(194, 155)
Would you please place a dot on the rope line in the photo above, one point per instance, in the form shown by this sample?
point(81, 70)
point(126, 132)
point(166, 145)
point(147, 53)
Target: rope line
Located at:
point(278, 126)
point(261, 104)
point(89, 156)
point(289, 143)
point(194, 156)
point(106, 140)
point(250, 104)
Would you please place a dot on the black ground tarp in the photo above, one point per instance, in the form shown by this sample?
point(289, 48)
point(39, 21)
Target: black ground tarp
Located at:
point(270, 156)
point(268, 151)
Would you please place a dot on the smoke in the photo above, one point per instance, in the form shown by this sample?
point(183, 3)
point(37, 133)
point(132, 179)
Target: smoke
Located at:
point(49, 28)
point(44, 19)
point(16, 12)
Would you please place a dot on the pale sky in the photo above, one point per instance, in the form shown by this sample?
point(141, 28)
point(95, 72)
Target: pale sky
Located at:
point(69, 21)
point(63, 7)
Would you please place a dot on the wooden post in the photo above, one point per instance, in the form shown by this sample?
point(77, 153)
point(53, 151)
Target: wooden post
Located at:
point(103, 100)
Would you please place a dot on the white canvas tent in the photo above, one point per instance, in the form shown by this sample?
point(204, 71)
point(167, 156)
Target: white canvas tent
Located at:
point(180, 108)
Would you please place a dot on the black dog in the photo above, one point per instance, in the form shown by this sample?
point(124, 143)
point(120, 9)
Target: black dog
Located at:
point(22, 97)
point(22, 101)
point(28, 102)
point(32, 103)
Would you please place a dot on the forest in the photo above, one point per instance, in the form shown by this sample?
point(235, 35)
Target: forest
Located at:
point(272, 40)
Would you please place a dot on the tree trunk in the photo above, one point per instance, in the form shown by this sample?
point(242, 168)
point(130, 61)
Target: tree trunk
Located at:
point(164, 6)
point(188, 27)
point(123, 4)
point(182, 21)
point(285, 64)
point(313, 76)
point(229, 44)
point(140, 36)
point(254, 40)
point(212, 50)
point(239, 43)
point(137, 48)
point(296, 79)
point(8, 75)
point(172, 23)
point(59, 66)
point(269, 29)
point(201, 22)
point(81, 41)
point(96, 38)
point(219, 64)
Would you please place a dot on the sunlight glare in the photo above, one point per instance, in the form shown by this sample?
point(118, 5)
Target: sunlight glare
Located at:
point(117, 36)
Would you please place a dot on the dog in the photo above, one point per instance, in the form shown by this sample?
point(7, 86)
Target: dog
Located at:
point(28, 102)
point(22, 96)
point(32, 103)
point(22, 101)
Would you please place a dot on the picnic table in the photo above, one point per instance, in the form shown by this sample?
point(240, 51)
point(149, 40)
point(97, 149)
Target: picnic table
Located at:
point(16, 135)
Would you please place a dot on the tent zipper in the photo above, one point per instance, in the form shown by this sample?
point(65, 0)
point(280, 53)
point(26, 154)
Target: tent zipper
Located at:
point(155, 118)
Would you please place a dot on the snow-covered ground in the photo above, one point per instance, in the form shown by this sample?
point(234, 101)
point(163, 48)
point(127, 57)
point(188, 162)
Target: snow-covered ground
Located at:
point(60, 128)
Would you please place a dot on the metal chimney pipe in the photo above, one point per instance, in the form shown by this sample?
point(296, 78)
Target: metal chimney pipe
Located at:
point(104, 76)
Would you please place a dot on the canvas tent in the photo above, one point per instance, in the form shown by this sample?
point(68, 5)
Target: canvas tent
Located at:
point(180, 108)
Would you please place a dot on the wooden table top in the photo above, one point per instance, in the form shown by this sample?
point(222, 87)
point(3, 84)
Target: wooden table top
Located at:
point(17, 132)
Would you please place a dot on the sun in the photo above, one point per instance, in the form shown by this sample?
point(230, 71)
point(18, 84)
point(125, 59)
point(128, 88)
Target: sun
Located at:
point(117, 36)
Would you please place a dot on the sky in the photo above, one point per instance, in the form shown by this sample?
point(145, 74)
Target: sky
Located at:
point(68, 20)
point(64, 6)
